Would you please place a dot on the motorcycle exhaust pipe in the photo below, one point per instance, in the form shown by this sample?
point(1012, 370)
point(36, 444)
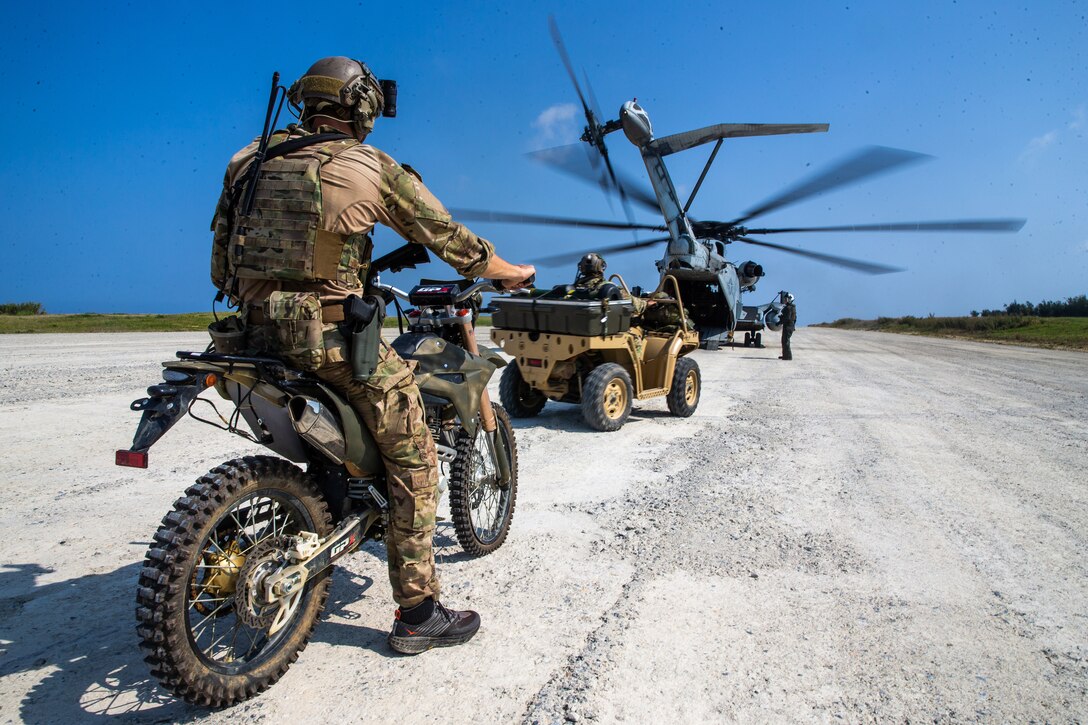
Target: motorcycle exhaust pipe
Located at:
point(318, 426)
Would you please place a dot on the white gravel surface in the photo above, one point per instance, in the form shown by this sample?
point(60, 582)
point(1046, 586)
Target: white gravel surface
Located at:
point(886, 529)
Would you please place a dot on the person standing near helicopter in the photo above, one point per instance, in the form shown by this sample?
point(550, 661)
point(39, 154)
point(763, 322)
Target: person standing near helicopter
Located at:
point(789, 324)
point(302, 249)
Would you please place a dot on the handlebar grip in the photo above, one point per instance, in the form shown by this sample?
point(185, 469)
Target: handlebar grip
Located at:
point(499, 284)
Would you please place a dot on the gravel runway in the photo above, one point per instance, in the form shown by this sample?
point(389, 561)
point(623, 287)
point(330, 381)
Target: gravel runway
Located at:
point(887, 528)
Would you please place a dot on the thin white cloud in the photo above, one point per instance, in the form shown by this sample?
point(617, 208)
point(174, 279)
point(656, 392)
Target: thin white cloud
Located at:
point(1080, 119)
point(1037, 146)
point(556, 124)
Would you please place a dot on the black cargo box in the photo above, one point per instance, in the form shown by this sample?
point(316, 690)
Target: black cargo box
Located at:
point(569, 317)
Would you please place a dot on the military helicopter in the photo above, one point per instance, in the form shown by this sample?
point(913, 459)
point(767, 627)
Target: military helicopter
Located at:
point(710, 285)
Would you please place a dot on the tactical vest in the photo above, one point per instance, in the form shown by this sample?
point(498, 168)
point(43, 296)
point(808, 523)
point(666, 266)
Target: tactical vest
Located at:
point(282, 238)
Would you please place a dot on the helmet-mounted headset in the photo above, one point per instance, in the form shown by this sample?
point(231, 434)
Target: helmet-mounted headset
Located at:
point(350, 87)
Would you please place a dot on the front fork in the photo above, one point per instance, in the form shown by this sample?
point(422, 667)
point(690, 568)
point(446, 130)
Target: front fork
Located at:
point(496, 446)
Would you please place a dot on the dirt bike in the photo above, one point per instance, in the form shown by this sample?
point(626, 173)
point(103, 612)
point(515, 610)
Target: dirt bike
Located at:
point(238, 573)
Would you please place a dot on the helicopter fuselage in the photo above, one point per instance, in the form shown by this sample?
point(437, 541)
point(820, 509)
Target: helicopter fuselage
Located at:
point(709, 284)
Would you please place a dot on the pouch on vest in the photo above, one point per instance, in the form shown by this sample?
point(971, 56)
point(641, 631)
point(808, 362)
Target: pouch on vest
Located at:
point(363, 321)
point(228, 335)
point(296, 317)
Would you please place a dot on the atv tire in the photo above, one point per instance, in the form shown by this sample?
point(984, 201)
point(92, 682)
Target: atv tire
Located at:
point(606, 397)
point(519, 399)
point(687, 386)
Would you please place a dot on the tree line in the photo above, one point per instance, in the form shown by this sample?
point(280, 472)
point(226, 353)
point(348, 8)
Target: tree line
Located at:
point(22, 308)
point(1072, 307)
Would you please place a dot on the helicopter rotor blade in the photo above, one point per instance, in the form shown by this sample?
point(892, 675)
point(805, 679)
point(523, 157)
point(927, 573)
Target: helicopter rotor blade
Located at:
point(868, 162)
point(480, 215)
point(567, 257)
point(593, 105)
point(616, 184)
point(576, 160)
point(960, 225)
point(855, 264)
point(562, 48)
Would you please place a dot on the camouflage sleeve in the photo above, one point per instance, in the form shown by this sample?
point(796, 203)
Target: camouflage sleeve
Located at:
point(419, 217)
point(220, 237)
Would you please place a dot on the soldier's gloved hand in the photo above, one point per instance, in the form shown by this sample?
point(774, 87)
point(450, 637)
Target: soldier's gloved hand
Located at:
point(511, 283)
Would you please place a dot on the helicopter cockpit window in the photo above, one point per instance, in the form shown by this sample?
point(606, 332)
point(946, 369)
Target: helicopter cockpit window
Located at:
point(721, 248)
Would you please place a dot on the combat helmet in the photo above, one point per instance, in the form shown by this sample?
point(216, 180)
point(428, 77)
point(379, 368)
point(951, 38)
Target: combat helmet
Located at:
point(590, 266)
point(345, 89)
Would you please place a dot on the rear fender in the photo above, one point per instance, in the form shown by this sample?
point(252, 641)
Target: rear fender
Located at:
point(166, 403)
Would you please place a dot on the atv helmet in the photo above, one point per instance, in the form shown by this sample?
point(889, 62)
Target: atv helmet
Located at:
point(590, 266)
point(341, 88)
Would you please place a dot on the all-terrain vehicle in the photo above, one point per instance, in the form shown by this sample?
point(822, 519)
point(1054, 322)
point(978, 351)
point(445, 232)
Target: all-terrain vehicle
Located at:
point(596, 354)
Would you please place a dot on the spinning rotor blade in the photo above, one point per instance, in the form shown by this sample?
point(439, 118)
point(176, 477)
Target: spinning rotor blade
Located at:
point(855, 264)
point(576, 160)
point(514, 218)
point(594, 134)
point(567, 257)
point(558, 40)
point(962, 225)
point(868, 162)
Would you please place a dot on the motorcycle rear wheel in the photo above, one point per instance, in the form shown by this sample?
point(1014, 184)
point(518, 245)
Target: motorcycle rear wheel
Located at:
point(481, 509)
point(197, 645)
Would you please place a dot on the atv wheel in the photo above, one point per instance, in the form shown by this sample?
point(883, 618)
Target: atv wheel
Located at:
point(191, 625)
point(481, 507)
point(519, 399)
point(606, 397)
point(687, 384)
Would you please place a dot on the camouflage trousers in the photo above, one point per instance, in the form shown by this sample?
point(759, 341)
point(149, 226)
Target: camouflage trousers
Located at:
point(390, 406)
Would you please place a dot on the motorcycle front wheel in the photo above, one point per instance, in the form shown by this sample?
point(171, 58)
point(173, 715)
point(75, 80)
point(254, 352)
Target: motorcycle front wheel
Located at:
point(481, 507)
point(200, 643)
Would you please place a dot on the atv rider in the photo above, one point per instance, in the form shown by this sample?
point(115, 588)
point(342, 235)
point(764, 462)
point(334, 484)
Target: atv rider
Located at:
point(590, 281)
point(302, 250)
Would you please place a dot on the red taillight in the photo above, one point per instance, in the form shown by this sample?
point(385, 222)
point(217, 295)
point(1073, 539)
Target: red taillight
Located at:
point(462, 313)
point(535, 362)
point(413, 313)
point(133, 459)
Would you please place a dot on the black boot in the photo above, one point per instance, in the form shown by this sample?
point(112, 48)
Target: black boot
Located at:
point(415, 631)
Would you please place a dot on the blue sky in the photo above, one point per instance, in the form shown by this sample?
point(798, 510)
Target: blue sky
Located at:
point(122, 116)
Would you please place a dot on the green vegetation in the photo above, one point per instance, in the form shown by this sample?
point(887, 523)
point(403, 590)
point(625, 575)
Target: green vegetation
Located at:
point(1065, 332)
point(1072, 307)
point(22, 308)
point(94, 322)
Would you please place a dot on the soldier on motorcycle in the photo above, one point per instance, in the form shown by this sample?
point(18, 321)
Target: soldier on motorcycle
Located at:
point(303, 248)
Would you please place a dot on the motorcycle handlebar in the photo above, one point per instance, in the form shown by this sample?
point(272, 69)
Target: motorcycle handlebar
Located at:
point(499, 287)
point(484, 285)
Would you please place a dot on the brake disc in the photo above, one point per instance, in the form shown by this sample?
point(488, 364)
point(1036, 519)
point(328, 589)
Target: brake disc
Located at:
point(251, 602)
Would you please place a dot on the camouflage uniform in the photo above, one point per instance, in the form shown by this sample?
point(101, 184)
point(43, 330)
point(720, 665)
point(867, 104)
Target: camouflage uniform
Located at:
point(359, 187)
point(789, 324)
